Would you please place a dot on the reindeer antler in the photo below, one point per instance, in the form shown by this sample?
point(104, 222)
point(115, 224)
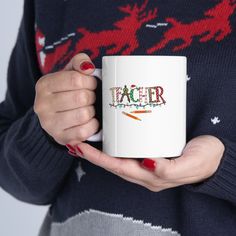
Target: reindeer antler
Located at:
point(126, 9)
point(142, 8)
point(135, 8)
point(149, 16)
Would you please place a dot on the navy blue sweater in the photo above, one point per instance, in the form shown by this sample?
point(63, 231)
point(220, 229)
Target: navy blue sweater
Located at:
point(86, 199)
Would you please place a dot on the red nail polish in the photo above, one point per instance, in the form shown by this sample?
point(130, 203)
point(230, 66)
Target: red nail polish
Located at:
point(79, 151)
point(149, 164)
point(86, 65)
point(70, 148)
point(72, 154)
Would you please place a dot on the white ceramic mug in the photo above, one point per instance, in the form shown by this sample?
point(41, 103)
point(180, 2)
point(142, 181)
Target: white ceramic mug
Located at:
point(144, 106)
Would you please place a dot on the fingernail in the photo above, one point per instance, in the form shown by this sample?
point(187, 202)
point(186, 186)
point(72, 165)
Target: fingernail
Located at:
point(70, 148)
point(149, 164)
point(86, 65)
point(79, 151)
point(73, 154)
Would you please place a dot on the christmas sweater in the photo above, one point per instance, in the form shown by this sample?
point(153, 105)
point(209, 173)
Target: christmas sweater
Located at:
point(85, 199)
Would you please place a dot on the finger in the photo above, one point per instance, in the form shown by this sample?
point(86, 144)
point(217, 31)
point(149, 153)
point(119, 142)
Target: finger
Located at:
point(67, 81)
point(123, 167)
point(81, 133)
point(73, 99)
point(163, 172)
point(178, 168)
point(81, 63)
point(75, 117)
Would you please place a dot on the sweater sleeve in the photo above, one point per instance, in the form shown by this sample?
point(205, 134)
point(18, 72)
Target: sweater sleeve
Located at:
point(222, 184)
point(32, 167)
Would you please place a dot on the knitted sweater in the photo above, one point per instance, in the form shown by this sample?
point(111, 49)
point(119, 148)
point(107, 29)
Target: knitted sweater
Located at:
point(86, 199)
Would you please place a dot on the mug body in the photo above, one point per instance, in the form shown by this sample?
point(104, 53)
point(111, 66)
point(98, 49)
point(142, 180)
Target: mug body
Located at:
point(144, 106)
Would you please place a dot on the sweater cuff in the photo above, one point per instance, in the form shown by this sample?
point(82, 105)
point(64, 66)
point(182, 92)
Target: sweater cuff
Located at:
point(36, 150)
point(223, 183)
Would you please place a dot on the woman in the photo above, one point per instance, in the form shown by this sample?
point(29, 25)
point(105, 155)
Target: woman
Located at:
point(50, 103)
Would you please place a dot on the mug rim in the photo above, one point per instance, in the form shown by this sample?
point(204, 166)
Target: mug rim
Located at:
point(156, 56)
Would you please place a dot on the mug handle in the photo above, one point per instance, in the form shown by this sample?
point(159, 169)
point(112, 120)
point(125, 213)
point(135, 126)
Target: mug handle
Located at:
point(98, 136)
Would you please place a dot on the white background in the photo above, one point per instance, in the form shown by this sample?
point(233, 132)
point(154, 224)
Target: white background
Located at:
point(16, 218)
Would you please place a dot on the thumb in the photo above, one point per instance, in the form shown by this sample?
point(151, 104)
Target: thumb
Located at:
point(169, 169)
point(81, 63)
point(159, 166)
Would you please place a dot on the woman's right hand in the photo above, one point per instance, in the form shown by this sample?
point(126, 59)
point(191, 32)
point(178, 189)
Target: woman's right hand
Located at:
point(64, 102)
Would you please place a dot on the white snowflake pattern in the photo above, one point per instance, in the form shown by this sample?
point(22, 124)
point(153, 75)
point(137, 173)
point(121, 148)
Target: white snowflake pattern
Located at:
point(80, 172)
point(41, 41)
point(42, 56)
point(215, 120)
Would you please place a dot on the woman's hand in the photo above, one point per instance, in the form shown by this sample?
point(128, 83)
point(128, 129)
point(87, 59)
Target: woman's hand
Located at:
point(200, 160)
point(64, 102)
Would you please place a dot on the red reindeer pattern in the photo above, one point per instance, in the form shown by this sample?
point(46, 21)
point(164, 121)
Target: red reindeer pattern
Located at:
point(48, 60)
point(122, 39)
point(216, 25)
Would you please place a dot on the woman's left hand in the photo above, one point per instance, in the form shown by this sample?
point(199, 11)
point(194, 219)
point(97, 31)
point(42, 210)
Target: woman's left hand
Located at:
point(200, 160)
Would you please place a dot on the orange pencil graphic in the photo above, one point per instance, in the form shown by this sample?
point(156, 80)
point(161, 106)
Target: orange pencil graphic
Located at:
point(141, 111)
point(131, 116)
